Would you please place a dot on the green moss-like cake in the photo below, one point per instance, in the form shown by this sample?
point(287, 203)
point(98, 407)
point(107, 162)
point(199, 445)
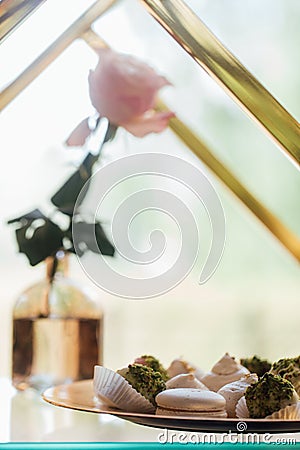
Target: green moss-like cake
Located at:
point(288, 368)
point(269, 394)
point(144, 380)
point(256, 365)
point(154, 363)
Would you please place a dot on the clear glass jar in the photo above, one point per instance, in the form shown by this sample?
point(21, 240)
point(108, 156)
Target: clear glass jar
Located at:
point(57, 331)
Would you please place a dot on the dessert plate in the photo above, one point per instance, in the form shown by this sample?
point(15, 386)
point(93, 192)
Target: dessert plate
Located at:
point(80, 396)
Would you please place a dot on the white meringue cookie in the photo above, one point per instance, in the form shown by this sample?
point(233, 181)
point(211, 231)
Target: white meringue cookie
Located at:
point(232, 392)
point(180, 366)
point(223, 372)
point(185, 380)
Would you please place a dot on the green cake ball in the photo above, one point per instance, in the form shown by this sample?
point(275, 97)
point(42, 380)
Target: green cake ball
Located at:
point(256, 365)
point(269, 394)
point(154, 363)
point(144, 380)
point(288, 368)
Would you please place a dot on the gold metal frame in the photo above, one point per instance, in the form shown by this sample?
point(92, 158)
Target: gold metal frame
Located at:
point(54, 50)
point(197, 40)
point(14, 12)
point(81, 29)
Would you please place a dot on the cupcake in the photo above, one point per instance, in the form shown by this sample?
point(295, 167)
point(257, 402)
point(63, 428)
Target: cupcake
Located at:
point(268, 395)
point(185, 380)
point(114, 391)
point(232, 392)
point(144, 380)
point(223, 372)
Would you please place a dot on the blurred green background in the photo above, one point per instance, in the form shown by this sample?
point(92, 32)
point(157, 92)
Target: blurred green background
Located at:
point(252, 302)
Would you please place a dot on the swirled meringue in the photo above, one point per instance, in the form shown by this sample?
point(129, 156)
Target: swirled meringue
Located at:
point(185, 380)
point(226, 370)
point(180, 366)
point(232, 392)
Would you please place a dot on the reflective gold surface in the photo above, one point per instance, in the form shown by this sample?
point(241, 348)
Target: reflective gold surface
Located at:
point(53, 51)
point(193, 35)
point(14, 12)
point(80, 396)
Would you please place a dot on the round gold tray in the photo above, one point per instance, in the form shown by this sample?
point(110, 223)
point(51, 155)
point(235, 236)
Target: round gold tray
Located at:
point(80, 396)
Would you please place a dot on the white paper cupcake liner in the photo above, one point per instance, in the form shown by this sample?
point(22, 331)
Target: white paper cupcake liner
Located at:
point(113, 390)
point(291, 412)
point(241, 409)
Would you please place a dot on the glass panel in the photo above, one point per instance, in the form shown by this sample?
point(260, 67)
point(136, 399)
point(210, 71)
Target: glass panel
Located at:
point(36, 34)
point(12, 14)
point(255, 290)
point(202, 104)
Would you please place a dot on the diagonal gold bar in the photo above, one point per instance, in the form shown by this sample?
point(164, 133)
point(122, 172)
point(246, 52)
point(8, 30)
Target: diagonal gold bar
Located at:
point(14, 12)
point(289, 240)
point(54, 50)
point(193, 35)
point(93, 40)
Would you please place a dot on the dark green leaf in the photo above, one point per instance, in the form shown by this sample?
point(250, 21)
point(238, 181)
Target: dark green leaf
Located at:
point(91, 236)
point(28, 217)
point(111, 132)
point(41, 242)
point(65, 198)
point(106, 248)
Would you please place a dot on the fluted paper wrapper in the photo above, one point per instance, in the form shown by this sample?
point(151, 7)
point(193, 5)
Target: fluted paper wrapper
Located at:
point(113, 390)
point(291, 412)
point(241, 409)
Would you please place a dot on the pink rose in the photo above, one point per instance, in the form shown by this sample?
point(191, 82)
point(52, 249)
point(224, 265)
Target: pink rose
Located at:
point(124, 90)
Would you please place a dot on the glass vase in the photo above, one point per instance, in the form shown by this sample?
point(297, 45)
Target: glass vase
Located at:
point(57, 331)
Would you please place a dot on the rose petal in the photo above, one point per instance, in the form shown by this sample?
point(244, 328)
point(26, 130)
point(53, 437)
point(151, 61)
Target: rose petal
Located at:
point(79, 134)
point(122, 87)
point(154, 122)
